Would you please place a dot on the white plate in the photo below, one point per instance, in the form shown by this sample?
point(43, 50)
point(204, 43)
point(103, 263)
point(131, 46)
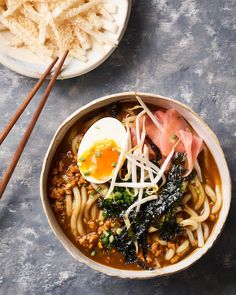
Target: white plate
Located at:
point(24, 62)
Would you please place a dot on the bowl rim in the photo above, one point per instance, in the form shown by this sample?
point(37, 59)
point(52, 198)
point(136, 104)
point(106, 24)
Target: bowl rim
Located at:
point(15, 65)
point(121, 273)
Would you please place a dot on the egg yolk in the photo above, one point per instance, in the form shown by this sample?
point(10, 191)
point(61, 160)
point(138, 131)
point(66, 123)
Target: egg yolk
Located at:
point(100, 160)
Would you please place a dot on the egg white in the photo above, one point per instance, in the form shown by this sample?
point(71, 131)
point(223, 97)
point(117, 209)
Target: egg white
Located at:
point(106, 128)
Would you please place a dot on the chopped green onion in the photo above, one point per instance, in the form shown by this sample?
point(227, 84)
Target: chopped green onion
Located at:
point(117, 194)
point(114, 164)
point(104, 214)
point(97, 154)
point(86, 173)
point(111, 238)
point(82, 159)
point(197, 190)
point(98, 189)
point(119, 231)
point(93, 253)
point(106, 234)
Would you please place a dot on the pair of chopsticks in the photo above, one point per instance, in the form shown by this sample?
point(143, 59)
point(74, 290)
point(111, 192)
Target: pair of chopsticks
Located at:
point(12, 165)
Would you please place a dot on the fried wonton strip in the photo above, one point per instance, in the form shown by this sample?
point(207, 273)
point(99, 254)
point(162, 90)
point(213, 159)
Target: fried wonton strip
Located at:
point(48, 28)
point(3, 28)
point(64, 6)
point(26, 37)
point(97, 35)
point(12, 6)
point(110, 8)
point(83, 38)
point(105, 13)
point(43, 12)
point(109, 26)
point(79, 10)
point(77, 54)
point(31, 13)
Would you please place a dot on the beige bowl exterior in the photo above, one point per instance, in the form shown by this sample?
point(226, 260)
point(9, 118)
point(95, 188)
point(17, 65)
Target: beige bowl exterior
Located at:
point(201, 128)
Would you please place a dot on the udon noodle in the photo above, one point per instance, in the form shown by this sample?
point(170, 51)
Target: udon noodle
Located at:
point(81, 206)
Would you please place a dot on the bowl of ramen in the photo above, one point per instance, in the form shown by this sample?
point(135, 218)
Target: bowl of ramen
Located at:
point(32, 33)
point(135, 185)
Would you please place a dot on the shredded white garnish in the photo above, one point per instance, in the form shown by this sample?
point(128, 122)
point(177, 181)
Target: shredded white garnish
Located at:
point(137, 126)
point(135, 204)
point(135, 185)
point(198, 169)
point(164, 166)
point(150, 114)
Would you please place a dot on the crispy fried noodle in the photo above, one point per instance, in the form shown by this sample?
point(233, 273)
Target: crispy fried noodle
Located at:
point(48, 28)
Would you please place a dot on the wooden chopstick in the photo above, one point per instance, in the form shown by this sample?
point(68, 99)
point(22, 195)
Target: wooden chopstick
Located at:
point(26, 101)
point(11, 167)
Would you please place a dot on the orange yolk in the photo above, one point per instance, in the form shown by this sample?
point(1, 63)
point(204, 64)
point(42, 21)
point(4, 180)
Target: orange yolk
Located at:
point(100, 160)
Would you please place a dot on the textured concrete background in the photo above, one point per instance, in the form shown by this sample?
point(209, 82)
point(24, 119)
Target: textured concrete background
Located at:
point(182, 49)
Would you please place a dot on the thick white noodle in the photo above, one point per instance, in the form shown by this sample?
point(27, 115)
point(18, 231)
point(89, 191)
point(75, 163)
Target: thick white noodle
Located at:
point(189, 222)
point(191, 237)
point(161, 242)
point(200, 236)
point(169, 254)
point(80, 227)
point(94, 212)
point(91, 200)
point(186, 198)
point(211, 194)
point(182, 247)
point(204, 215)
point(76, 209)
point(206, 230)
point(68, 200)
point(201, 195)
point(215, 209)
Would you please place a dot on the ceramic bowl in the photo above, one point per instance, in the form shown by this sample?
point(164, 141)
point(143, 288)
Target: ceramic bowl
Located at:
point(24, 62)
point(201, 128)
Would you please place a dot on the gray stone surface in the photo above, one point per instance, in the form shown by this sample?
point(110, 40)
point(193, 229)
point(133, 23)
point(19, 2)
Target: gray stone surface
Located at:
point(182, 49)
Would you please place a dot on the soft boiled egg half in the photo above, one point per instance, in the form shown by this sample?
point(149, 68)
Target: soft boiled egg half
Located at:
point(100, 149)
